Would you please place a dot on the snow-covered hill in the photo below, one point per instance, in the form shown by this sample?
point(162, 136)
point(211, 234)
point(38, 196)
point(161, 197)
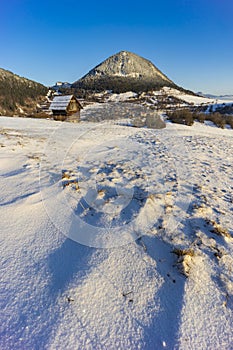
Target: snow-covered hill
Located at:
point(196, 100)
point(115, 237)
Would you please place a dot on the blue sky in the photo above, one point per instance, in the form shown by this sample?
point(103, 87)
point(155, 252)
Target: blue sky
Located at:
point(191, 41)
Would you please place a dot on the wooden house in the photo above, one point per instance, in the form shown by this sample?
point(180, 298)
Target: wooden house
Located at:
point(66, 108)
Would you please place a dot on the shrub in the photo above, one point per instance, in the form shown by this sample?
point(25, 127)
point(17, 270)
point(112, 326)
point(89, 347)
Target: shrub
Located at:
point(217, 119)
point(201, 117)
point(182, 116)
point(138, 122)
point(229, 120)
point(153, 121)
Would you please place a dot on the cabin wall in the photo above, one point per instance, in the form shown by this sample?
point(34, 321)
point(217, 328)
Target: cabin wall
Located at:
point(72, 107)
point(74, 118)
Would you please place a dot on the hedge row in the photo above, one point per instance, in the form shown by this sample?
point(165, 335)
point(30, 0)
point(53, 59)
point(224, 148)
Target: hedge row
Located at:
point(187, 117)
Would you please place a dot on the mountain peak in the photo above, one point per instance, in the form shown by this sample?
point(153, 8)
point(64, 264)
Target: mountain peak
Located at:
point(126, 69)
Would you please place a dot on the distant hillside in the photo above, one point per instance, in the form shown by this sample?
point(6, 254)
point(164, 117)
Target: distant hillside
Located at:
point(17, 94)
point(124, 71)
point(217, 97)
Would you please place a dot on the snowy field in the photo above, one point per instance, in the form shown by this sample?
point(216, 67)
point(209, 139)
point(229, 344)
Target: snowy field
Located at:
point(114, 237)
point(196, 100)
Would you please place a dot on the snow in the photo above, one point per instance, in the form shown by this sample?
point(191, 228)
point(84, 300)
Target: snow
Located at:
point(146, 195)
point(197, 100)
point(60, 102)
point(124, 96)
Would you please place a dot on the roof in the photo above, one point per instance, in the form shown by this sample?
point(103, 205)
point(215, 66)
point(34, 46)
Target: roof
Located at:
point(60, 102)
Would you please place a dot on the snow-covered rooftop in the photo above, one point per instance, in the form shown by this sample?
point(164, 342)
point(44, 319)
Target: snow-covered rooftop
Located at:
point(60, 102)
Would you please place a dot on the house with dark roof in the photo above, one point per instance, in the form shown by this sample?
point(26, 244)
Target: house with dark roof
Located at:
point(66, 108)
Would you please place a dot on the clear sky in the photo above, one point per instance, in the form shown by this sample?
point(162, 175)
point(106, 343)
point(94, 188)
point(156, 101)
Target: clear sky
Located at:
point(191, 41)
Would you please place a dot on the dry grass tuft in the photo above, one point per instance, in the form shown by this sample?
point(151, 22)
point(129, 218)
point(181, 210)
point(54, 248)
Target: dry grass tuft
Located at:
point(183, 252)
point(218, 229)
point(185, 260)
